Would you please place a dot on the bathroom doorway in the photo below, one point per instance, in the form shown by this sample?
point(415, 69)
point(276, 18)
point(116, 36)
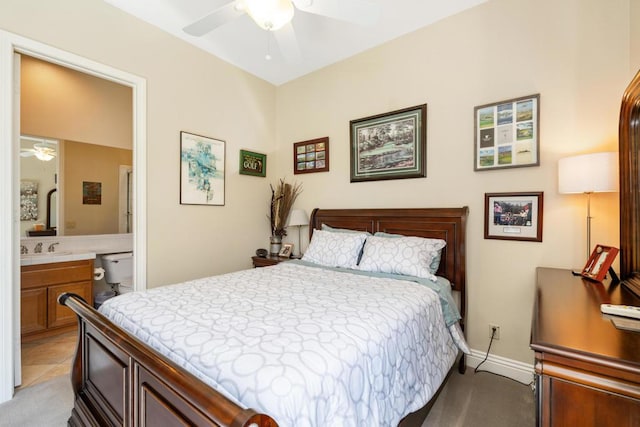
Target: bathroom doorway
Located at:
point(13, 47)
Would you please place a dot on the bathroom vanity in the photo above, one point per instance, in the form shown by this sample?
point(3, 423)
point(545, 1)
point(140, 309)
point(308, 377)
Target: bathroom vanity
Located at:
point(41, 283)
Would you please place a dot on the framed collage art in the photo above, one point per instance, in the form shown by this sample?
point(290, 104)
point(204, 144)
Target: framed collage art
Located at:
point(507, 134)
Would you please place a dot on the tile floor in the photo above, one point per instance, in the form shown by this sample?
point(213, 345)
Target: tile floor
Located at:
point(47, 358)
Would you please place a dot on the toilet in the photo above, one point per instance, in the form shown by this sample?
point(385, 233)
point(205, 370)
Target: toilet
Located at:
point(118, 271)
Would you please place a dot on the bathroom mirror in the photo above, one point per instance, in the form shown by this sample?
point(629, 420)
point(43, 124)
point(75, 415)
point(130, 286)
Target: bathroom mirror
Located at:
point(77, 138)
point(84, 189)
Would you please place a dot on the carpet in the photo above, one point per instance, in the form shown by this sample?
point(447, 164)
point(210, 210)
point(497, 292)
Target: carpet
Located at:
point(47, 404)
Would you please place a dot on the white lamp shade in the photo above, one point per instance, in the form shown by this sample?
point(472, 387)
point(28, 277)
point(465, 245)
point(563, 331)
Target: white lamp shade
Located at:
point(298, 217)
point(588, 173)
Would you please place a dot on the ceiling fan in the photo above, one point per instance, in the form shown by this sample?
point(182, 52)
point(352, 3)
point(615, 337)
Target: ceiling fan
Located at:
point(43, 149)
point(276, 15)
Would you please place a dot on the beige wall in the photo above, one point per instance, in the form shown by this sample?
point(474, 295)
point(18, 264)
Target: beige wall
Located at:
point(61, 103)
point(187, 90)
point(86, 219)
point(575, 54)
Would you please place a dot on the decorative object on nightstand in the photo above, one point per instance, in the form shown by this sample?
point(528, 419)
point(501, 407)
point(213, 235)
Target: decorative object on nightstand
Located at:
point(299, 219)
point(282, 199)
point(262, 253)
point(588, 174)
point(267, 261)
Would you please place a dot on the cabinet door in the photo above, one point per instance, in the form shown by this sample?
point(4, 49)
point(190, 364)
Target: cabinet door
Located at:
point(59, 315)
point(33, 310)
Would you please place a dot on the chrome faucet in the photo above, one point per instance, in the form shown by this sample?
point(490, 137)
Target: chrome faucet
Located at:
point(38, 248)
point(23, 250)
point(52, 247)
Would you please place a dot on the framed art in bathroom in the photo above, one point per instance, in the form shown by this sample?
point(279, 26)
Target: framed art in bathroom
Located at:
point(201, 170)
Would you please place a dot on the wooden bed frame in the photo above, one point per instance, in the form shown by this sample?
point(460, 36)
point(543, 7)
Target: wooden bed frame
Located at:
point(118, 380)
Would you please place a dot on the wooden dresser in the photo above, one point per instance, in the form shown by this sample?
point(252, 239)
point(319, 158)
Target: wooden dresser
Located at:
point(587, 370)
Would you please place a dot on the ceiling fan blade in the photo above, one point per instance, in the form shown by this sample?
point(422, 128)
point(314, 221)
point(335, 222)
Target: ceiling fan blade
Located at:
point(360, 12)
point(28, 153)
point(213, 20)
point(288, 44)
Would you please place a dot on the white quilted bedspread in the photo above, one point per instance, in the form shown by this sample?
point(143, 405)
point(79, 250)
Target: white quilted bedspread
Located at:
point(308, 346)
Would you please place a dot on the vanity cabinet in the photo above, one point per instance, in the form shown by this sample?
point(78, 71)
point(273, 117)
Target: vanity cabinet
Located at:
point(41, 284)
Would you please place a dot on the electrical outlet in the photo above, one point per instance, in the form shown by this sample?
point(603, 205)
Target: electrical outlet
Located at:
point(496, 335)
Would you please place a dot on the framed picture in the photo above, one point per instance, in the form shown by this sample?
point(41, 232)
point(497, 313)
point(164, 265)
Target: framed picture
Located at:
point(513, 216)
point(253, 163)
point(91, 193)
point(311, 156)
point(286, 250)
point(201, 170)
point(390, 146)
point(507, 134)
point(599, 262)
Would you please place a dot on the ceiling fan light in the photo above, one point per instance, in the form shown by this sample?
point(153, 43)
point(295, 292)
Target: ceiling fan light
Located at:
point(41, 155)
point(270, 15)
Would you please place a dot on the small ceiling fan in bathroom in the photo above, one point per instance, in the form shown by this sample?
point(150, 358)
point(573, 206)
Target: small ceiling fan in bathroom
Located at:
point(275, 16)
point(43, 149)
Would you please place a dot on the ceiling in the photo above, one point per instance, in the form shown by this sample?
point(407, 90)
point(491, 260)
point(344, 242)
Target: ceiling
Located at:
point(318, 41)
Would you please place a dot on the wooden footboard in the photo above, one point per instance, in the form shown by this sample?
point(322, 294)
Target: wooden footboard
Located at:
point(118, 381)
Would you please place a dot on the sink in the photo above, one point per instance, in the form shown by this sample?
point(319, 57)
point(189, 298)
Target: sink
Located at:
point(50, 257)
point(58, 253)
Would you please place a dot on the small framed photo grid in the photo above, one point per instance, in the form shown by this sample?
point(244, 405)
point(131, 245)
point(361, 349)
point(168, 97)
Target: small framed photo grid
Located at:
point(507, 134)
point(311, 156)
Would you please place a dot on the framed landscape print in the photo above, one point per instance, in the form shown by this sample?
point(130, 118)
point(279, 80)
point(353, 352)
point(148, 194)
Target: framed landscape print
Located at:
point(201, 170)
point(513, 216)
point(507, 134)
point(253, 163)
point(311, 156)
point(390, 146)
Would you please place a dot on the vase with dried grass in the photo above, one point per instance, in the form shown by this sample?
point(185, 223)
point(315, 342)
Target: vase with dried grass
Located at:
point(282, 199)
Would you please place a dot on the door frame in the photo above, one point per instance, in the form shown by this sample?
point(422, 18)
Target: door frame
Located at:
point(9, 169)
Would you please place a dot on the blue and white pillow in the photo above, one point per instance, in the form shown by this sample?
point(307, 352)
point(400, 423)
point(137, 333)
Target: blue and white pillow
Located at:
point(335, 249)
point(409, 255)
point(435, 263)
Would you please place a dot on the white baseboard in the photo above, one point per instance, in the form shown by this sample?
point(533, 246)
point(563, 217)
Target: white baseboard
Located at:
point(522, 372)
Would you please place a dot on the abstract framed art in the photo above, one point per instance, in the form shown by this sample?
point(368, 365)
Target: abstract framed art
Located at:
point(507, 134)
point(390, 145)
point(201, 170)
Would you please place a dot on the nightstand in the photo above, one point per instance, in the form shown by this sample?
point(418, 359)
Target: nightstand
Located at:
point(267, 261)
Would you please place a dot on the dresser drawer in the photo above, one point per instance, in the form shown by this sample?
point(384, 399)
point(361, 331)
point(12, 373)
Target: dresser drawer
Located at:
point(34, 276)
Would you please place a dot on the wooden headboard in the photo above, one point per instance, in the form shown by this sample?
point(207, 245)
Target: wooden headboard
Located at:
point(448, 224)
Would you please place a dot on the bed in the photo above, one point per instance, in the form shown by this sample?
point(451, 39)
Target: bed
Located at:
point(119, 380)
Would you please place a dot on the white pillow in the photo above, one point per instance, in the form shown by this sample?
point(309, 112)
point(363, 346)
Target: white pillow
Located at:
point(410, 256)
point(335, 249)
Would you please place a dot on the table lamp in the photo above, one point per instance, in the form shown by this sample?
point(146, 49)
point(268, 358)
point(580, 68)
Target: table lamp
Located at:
point(588, 174)
point(298, 218)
